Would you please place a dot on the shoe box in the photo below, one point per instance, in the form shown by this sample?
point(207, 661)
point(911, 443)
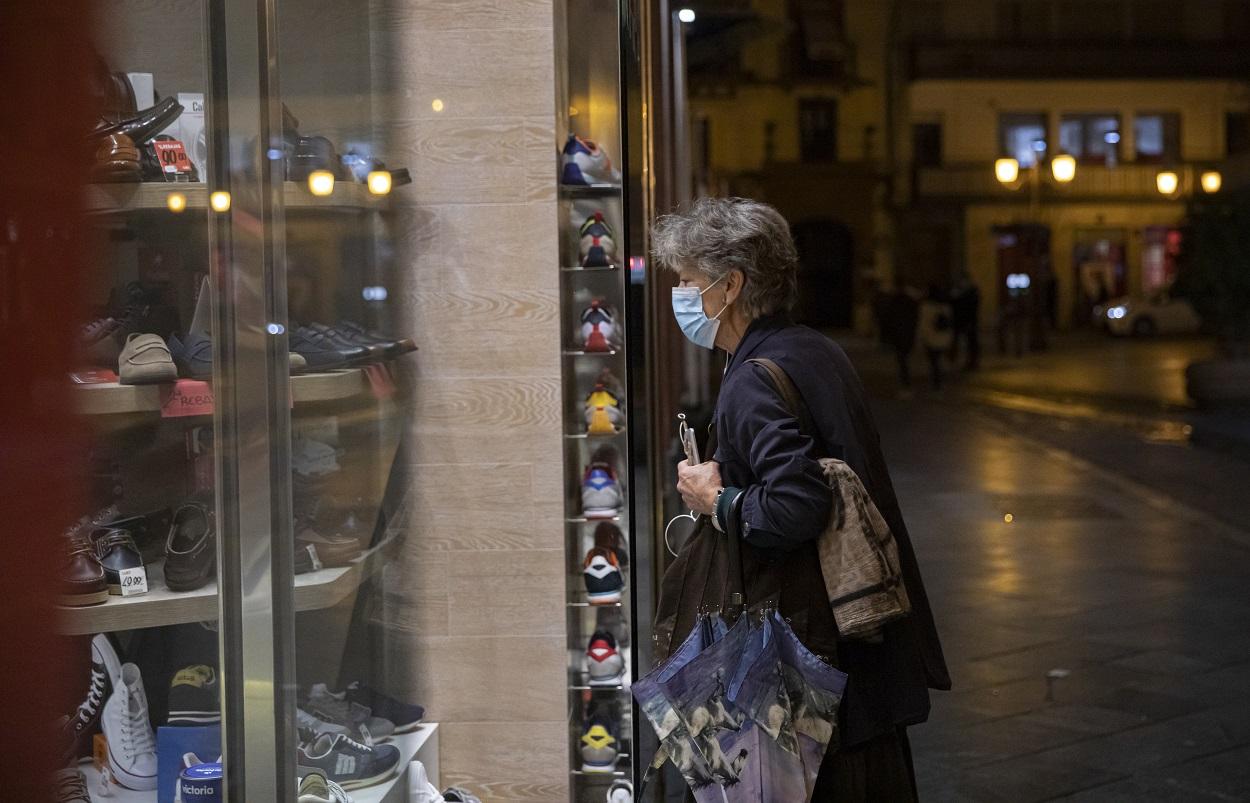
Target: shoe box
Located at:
point(174, 742)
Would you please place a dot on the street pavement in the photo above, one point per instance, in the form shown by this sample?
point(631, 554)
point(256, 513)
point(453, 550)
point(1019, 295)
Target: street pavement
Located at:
point(1095, 612)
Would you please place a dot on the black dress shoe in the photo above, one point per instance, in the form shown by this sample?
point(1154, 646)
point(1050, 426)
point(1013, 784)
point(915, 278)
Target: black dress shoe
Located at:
point(394, 347)
point(322, 353)
point(191, 549)
point(312, 153)
point(347, 340)
point(142, 126)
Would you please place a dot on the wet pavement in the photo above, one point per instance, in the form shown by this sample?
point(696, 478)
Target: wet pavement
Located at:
point(1097, 625)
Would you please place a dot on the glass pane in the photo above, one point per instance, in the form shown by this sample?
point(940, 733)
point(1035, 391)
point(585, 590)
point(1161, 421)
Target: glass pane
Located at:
point(1156, 137)
point(1023, 137)
point(1092, 138)
point(139, 601)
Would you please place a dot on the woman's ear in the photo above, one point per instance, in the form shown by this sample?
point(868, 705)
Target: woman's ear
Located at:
point(733, 285)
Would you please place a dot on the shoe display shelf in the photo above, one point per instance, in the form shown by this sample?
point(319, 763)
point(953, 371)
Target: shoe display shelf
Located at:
point(323, 588)
point(154, 196)
point(420, 745)
point(111, 398)
point(601, 190)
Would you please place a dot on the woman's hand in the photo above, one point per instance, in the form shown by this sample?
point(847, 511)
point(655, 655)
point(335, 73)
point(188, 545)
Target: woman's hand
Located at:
point(698, 485)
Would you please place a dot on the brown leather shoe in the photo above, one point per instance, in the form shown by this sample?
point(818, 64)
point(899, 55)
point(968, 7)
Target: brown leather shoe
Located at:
point(116, 159)
point(82, 576)
point(331, 550)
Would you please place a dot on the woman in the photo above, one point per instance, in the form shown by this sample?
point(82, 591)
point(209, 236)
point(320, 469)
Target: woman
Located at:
point(736, 265)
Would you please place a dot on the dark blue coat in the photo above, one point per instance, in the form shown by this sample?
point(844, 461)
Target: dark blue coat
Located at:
point(787, 503)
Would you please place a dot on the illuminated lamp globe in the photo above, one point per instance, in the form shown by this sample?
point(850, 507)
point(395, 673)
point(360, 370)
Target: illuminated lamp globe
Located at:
point(1006, 171)
point(1167, 182)
point(1063, 168)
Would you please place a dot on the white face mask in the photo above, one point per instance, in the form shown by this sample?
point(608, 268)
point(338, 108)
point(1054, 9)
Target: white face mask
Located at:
point(694, 322)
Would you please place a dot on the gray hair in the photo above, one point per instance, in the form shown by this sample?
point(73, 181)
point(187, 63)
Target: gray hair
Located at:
point(719, 235)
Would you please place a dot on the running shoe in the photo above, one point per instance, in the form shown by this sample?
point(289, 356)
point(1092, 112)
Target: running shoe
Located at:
point(601, 493)
point(597, 247)
point(604, 665)
point(336, 708)
point(315, 787)
point(603, 577)
point(585, 163)
point(599, 745)
point(609, 536)
point(598, 327)
point(347, 762)
point(406, 716)
point(603, 412)
point(193, 697)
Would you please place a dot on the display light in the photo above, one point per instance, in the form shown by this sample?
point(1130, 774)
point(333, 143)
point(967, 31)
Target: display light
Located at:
point(176, 202)
point(1211, 181)
point(686, 15)
point(1063, 168)
point(321, 182)
point(379, 182)
point(436, 105)
point(219, 201)
point(1167, 182)
point(1006, 171)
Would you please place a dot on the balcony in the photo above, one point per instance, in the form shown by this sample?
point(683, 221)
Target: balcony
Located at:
point(976, 182)
point(999, 60)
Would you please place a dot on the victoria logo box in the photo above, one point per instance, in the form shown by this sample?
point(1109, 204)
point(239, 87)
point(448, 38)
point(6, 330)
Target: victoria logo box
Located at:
point(172, 743)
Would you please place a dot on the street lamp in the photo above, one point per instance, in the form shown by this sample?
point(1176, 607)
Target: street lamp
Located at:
point(1063, 168)
point(1167, 182)
point(1211, 181)
point(1007, 171)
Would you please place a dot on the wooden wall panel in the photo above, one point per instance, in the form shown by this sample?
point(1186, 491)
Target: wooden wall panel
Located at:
point(479, 630)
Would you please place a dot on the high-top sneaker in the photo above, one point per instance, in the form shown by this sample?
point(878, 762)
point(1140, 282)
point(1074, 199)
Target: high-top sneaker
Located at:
point(598, 327)
point(76, 730)
point(597, 244)
point(131, 743)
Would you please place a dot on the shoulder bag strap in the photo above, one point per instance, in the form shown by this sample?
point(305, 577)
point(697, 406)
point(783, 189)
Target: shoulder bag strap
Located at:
point(789, 394)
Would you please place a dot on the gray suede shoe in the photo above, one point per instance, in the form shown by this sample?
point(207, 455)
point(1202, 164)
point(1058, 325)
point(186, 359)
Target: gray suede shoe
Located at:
point(145, 360)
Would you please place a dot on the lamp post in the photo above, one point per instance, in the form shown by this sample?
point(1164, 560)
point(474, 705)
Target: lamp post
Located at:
point(1062, 171)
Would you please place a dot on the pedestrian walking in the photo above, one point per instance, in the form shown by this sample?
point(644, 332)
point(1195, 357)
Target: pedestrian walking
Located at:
point(764, 487)
point(900, 317)
point(966, 313)
point(937, 331)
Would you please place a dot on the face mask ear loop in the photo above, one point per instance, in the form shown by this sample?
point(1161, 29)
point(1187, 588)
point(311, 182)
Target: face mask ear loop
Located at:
point(691, 515)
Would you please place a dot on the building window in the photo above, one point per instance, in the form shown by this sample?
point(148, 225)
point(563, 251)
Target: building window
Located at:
point(1157, 137)
point(1093, 20)
point(926, 144)
point(1237, 132)
point(1023, 137)
point(818, 130)
point(1020, 20)
point(1092, 138)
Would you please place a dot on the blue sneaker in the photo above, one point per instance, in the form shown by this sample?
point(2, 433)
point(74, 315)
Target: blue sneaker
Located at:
point(597, 247)
point(602, 575)
point(585, 163)
point(601, 493)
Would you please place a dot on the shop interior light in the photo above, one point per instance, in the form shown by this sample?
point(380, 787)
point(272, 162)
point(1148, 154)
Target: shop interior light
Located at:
point(1167, 182)
point(176, 202)
point(1211, 181)
point(219, 201)
point(686, 15)
point(379, 182)
point(1006, 171)
point(321, 182)
point(1063, 168)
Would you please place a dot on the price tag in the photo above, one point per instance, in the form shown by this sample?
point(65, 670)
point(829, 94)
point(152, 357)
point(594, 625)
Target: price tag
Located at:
point(133, 581)
point(172, 157)
point(380, 381)
point(186, 397)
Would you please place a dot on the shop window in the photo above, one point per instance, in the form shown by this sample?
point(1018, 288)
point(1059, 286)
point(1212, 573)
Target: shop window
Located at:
point(926, 141)
point(818, 130)
point(1237, 132)
point(1092, 138)
point(1023, 137)
point(1157, 137)
point(1161, 247)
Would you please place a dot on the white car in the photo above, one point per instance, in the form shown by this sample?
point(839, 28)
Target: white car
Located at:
point(1160, 314)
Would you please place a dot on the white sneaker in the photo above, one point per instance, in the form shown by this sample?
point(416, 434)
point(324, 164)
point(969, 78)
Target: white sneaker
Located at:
point(131, 743)
point(315, 787)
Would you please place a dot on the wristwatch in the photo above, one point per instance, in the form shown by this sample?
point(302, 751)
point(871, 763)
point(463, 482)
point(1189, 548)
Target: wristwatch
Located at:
point(716, 509)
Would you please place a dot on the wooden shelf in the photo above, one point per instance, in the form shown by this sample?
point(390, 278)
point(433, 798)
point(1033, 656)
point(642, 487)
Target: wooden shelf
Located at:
point(153, 196)
point(578, 269)
point(585, 353)
point(590, 190)
point(111, 398)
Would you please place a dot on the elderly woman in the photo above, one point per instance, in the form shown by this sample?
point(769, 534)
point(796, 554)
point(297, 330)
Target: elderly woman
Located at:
point(736, 265)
